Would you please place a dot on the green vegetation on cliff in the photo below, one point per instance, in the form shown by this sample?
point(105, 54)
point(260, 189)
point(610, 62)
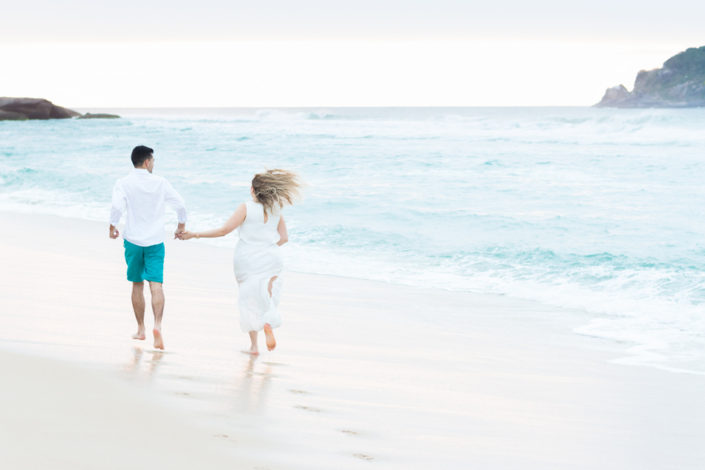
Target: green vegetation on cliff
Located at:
point(679, 83)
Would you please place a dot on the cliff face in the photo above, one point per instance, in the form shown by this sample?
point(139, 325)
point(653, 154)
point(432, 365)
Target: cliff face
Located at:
point(679, 83)
point(32, 108)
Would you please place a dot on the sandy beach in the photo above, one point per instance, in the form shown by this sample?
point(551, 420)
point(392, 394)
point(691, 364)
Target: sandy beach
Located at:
point(366, 374)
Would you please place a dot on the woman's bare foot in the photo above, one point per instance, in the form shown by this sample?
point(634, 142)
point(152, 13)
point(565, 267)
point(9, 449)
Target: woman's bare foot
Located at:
point(269, 335)
point(158, 340)
point(139, 335)
point(252, 351)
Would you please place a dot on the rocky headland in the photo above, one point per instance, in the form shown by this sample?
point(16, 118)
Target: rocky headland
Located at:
point(680, 83)
point(20, 109)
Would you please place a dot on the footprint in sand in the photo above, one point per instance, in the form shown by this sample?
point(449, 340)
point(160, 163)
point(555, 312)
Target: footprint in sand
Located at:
point(363, 457)
point(308, 408)
point(299, 392)
point(350, 432)
point(264, 374)
point(225, 436)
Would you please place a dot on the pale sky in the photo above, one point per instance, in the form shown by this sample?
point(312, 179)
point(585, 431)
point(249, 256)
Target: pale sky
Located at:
point(326, 53)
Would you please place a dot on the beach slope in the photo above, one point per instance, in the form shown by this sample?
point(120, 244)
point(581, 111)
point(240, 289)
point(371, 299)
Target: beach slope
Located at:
point(366, 374)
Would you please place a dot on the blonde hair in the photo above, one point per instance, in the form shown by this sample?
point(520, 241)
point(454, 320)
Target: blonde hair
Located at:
point(274, 188)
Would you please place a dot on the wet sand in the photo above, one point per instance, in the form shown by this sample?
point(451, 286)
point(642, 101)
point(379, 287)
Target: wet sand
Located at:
point(365, 375)
point(61, 416)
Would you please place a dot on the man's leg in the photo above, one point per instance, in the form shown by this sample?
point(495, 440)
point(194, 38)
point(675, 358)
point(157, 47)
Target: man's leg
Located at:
point(138, 307)
point(154, 273)
point(134, 257)
point(158, 310)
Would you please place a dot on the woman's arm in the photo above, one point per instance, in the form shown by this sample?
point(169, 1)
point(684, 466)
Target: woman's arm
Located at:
point(281, 228)
point(233, 222)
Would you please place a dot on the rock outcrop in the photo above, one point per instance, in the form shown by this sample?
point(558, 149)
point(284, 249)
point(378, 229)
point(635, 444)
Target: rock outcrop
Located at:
point(32, 108)
point(680, 83)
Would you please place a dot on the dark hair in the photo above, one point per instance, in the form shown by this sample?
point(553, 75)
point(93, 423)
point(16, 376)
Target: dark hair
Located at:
point(140, 154)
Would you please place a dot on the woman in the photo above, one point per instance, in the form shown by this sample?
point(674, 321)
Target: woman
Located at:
point(257, 260)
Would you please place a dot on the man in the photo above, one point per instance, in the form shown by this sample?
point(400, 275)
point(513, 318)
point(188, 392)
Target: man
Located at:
point(143, 196)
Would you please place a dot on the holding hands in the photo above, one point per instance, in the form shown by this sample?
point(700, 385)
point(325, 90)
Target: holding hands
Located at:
point(185, 235)
point(181, 228)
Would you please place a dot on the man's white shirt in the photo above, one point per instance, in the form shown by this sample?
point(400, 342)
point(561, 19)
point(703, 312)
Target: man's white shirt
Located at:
point(144, 197)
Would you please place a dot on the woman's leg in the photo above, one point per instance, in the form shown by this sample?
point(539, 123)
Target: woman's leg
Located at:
point(268, 333)
point(269, 336)
point(271, 282)
point(253, 344)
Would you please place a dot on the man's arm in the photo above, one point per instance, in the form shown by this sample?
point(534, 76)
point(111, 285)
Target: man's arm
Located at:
point(176, 202)
point(119, 204)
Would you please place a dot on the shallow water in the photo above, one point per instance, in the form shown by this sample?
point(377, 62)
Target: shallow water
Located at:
point(596, 209)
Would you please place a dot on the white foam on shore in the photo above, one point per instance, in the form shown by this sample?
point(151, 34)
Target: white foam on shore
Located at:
point(665, 333)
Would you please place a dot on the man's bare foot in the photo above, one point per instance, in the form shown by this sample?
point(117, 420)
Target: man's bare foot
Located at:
point(271, 342)
point(139, 335)
point(252, 351)
point(158, 340)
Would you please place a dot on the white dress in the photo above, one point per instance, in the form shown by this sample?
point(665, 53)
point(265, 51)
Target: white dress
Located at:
point(257, 259)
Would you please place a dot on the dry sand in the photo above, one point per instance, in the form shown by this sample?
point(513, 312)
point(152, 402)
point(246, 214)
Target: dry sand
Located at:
point(366, 374)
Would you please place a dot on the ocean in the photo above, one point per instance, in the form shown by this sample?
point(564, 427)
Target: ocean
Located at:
point(598, 210)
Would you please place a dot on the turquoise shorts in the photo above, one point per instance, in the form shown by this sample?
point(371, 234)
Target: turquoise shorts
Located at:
point(144, 263)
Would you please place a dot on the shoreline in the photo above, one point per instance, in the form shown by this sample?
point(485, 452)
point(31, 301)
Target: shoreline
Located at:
point(567, 319)
point(575, 321)
point(366, 373)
